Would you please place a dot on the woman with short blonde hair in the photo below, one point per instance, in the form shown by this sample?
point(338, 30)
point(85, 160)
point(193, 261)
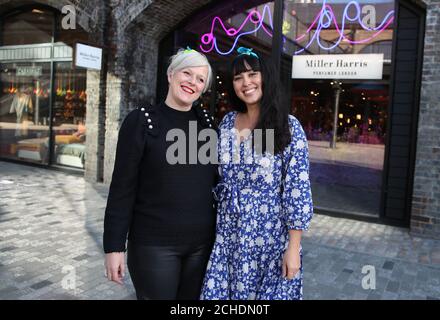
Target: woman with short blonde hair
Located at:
point(166, 209)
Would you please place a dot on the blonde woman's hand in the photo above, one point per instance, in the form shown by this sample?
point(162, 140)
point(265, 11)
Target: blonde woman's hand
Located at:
point(291, 262)
point(115, 266)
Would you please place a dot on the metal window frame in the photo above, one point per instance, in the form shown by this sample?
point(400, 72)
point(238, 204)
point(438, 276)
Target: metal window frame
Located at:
point(412, 5)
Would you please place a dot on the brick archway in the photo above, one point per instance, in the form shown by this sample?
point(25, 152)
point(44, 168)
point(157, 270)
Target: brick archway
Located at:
point(87, 11)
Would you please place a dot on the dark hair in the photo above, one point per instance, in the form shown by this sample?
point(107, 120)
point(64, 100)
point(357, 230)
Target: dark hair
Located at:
point(274, 110)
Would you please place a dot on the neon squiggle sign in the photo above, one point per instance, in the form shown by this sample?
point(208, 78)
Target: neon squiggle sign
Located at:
point(210, 39)
point(323, 20)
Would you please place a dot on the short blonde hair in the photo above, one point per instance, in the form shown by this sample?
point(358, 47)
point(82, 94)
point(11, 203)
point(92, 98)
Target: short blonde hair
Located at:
point(187, 59)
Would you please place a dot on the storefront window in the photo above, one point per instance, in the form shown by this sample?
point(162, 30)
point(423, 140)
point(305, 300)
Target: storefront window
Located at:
point(346, 160)
point(40, 91)
point(69, 116)
point(24, 111)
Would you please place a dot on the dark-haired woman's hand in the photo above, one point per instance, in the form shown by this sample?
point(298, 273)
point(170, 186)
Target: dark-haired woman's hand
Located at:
point(291, 262)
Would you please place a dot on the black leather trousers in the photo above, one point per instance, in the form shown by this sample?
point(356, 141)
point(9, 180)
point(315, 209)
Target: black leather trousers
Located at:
point(168, 272)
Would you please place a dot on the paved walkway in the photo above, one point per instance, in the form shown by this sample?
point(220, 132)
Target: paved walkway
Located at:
point(51, 247)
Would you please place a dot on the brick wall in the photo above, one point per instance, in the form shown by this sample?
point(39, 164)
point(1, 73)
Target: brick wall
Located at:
point(425, 215)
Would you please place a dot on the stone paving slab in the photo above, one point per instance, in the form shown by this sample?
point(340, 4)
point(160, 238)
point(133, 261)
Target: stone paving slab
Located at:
point(51, 247)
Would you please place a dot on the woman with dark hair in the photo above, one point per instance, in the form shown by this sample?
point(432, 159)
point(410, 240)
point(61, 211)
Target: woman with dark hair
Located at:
point(264, 194)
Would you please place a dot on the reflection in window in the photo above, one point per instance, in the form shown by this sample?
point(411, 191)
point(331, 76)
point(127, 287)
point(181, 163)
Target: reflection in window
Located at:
point(26, 115)
point(69, 115)
point(384, 47)
point(321, 27)
point(24, 111)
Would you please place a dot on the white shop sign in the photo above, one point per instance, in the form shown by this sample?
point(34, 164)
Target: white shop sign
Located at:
point(338, 66)
point(88, 57)
point(29, 71)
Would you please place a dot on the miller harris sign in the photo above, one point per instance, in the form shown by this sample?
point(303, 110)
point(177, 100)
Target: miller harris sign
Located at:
point(337, 66)
point(88, 57)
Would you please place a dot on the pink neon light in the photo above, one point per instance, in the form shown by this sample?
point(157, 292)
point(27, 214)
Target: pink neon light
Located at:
point(231, 31)
point(327, 6)
point(323, 13)
point(210, 38)
point(257, 19)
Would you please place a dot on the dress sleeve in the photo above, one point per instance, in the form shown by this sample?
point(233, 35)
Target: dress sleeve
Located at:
point(224, 139)
point(123, 187)
point(296, 201)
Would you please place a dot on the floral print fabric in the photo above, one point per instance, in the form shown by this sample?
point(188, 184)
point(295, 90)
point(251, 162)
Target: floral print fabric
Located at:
point(261, 197)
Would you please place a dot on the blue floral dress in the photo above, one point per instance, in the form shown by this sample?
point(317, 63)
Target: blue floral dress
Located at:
point(261, 197)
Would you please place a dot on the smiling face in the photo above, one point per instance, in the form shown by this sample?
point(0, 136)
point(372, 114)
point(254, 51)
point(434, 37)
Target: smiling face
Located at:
point(248, 86)
point(186, 85)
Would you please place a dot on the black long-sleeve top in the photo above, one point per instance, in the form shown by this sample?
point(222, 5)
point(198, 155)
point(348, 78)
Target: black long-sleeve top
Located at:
point(150, 200)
